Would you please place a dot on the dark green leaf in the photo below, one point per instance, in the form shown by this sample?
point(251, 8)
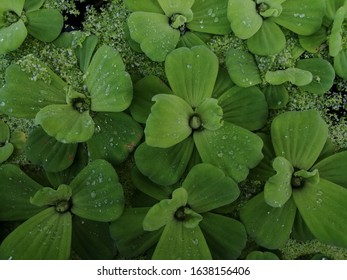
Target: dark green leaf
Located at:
point(258, 255)
point(314, 42)
point(340, 64)
point(48, 196)
point(276, 96)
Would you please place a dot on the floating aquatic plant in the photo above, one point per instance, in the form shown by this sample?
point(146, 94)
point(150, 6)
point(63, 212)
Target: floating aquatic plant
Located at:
point(160, 25)
point(259, 21)
point(94, 194)
point(258, 255)
point(305, 186)
point(187, 117)
point(20, 17)
point(181, 225)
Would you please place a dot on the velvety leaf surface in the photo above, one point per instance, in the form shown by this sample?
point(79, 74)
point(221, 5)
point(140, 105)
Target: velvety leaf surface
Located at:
point(299, 137)
point(91, 240)
point(65, 124)
point(164, 166)
point(335, 36)
point(208, 188)
point(210, 17)
point(322, 206)
point(180, 243)
point(334, 168)
point(45, 236)
point(16, 188)
point(268, 40)
point(191, 39)
point(97, 193)
point(131, 239)
point(192, 73)
point(33, 5)
point(242, 68)
point(312, 43)
point(49, 196)
point(276, 96)
point(115, 137)
point(164, 211)
point(171, 7)
point(301, 18)
point(146, 186)
point(243, 17)
point(45, 24)
point(233, 149)
point(278, 188)
point(225, 237)
point(168, 123)
point(109, 85)
point(144, 90)
point(12, 37)
point(295, 76)
point(323, 74)
point(14, 5)
point(85, 52)
point(15, 100)
point(269, 226)
point(144, 5)
point(154, 34)
point(245, 107)
point(42, 149)
point(210, 113)
point(340, 64)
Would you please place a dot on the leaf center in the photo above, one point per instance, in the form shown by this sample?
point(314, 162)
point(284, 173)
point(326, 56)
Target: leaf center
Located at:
point(195, 122)
point(80, 104)
point(63, 206)
point(178, 21)
point(10, 17)
point(297, 182)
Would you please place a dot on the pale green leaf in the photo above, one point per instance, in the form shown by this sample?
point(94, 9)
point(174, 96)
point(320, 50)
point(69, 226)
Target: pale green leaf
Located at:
point(192, 73)
point(295, 76)
point(313, 43)
point(13, 5)
point(33, 5)
point(340, 64)
point(12, 37)
point(49, 197)
point(182, 7)
point(144, 5)
point(210, 113)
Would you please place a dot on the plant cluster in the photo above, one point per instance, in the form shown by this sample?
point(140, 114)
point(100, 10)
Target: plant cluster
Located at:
point(208, 160)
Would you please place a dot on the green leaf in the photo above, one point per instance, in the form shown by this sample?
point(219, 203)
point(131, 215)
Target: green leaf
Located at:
point(144, 5)
point(299, 137)
point(164, 166)
point(295, 76)
point(276, 96)
point(45, 150)
point(333, 168)
point(164, 211)
point(146, 186)
point(192, 73)
point(191, 39)
point(66, 124)
point(335, 37)
point(168, 123)
point(314, 42)
point(268, 40)
point(210, 113)
point(269, 226)
point(244, 18)
point(12, 37)
point(300, 230)
point(144, 90)
point(109, 85)
point(33, 5)
point(340, 64)
point(210, 17)
point(208, 188)
point(5, 152)
point(301, 18)
point(225, 237)
point(4, 132)
point(182, 7)
point(322, 208)
point(89, 235)
point(18, 140)
point(180, 243)
point(45, 236)
point(15, 100)
point(223, 83)
point(48, 196)
point(85, 52)
point(278, 188)
point(323, 74)
point(242, 68)
point(14, 5)
point(258, 255)
point(154, 34)
point(245, 107)
point(233, 149)
point(131, 239)
point(115, 137)
point(45, 24)
point(332, 7)
point(97, 194)
point(16, 188)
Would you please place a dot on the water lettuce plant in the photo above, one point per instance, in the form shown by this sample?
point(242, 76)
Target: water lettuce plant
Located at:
point(94, 194)
point(20, 17)
point(188, 118)
point(158, 26)
point(305, 187)
point(182, 225)
point(259, 21)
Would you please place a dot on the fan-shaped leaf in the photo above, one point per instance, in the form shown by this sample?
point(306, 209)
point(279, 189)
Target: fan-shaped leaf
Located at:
point(12, 37)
